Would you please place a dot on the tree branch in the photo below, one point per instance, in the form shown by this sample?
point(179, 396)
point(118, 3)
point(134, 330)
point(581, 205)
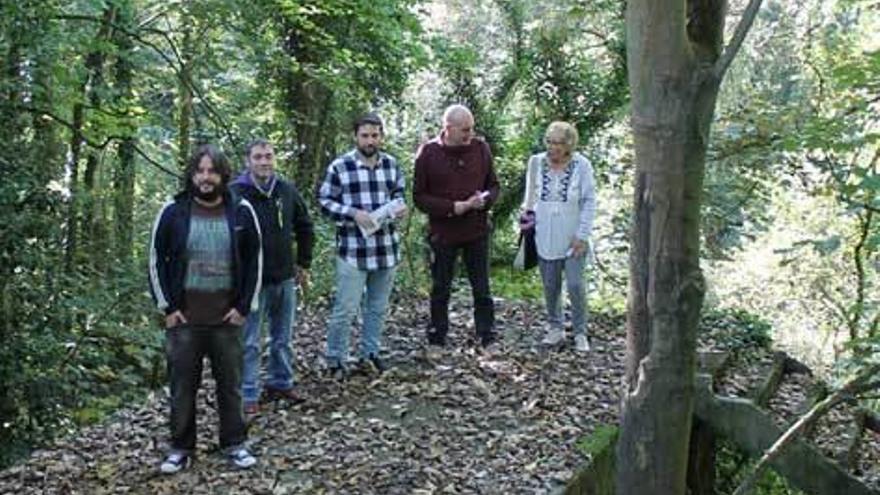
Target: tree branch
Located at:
point(93, 143)
point(858, 384)
point(730, 51)
point(175, 67)
point(155, 163)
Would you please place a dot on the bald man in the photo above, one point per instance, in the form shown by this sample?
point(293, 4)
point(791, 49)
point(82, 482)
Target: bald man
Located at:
point(455, 185)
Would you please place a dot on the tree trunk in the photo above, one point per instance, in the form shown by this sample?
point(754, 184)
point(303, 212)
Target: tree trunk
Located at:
point(88, 89)
point(701, 460)
point(675, 68)
point(94, 242)
point(124, 173)
point(76, 142)
point(11, 130)
point(185, 96)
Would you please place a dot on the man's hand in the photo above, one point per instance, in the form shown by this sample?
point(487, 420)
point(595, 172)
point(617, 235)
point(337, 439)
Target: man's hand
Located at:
point(475, 202)
point(302, 278)
point(233, 317)
point(174, 319)
point(364, 219)
point(578, 248)
point(401, 213)
point(478, 200)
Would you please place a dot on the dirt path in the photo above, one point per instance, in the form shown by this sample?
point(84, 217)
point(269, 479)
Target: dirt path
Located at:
point(457, 422)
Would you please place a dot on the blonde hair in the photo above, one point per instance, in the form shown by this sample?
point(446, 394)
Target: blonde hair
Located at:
point(564, 130)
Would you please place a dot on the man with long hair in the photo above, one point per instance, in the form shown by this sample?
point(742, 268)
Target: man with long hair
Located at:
point(205, 265)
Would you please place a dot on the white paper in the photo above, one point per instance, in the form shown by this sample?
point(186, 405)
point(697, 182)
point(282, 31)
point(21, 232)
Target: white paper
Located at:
point(381, 215)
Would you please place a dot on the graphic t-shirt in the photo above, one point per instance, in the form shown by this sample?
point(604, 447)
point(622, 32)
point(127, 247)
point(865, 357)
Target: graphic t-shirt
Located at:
point(208, 285)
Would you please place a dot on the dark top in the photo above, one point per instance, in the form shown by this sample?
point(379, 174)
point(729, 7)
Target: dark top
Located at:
point(283, 218)
point(207, 288)
point(446, 174)
point(168, 253)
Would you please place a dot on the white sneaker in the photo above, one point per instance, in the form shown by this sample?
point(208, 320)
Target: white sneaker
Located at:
point(241, 458)
point(553, 336)
point(174, 463)
point(581, 344)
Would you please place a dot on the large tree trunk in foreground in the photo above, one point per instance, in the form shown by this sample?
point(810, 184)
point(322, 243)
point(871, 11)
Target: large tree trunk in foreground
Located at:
point(675, 68)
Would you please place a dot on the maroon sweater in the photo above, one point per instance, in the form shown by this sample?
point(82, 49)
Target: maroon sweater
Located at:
point(446, 174)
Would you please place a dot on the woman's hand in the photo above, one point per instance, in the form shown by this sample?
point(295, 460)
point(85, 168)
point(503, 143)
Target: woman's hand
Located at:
point(578, 248)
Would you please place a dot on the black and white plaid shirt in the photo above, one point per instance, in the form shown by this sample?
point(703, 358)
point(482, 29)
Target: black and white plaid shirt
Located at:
point(350, 184)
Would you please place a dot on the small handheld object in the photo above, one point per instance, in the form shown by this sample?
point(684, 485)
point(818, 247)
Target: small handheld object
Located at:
point(484, 195)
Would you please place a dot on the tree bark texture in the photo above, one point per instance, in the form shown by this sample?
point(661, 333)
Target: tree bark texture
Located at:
point(92, 205)
point(307, 106)
point(185, 94)
point(94, 65)
point(124, 172)
point(673, 47)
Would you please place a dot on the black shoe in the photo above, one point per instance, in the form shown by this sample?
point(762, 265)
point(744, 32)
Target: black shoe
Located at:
point(488, 339)
point(290, 395)
point(371, 363)
point(337, 372)
point(378, 363)
point(436, 338)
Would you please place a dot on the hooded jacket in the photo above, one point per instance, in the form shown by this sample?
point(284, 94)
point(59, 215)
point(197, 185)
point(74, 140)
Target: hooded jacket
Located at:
point(283, 217)
point(168, 260)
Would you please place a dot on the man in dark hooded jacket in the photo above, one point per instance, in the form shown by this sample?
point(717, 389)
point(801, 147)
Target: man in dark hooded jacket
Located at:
point(205, 264)
point(283, 218)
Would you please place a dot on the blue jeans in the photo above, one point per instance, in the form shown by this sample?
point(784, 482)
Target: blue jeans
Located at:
point(350, 284)
point(551, 276)
point(278, 302)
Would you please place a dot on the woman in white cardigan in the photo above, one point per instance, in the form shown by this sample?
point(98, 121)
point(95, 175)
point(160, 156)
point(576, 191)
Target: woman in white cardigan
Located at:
point(560, 189)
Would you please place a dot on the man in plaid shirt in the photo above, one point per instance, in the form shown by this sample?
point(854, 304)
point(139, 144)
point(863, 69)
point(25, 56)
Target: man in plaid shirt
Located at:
point(358, 183)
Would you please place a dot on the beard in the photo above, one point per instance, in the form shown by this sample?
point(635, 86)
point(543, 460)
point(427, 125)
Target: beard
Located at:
point(210, 195)
point(368, 152)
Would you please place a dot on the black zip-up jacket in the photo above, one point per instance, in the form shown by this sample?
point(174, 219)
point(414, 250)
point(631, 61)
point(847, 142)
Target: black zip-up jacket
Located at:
point(168, 259)
point(283, 218)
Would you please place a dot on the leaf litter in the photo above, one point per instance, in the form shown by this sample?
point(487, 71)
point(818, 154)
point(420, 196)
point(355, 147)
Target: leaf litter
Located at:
point(453, 421)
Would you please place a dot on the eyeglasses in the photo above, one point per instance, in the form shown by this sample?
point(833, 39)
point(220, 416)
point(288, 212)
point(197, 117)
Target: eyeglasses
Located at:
point(558, 142)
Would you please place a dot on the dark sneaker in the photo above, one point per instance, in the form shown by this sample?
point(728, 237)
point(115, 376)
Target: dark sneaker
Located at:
point(337, 372)
point(488, 339)
point(241, 458)
point(290, 395)
point(175, 463)
point(371, 363)
point(435, 338)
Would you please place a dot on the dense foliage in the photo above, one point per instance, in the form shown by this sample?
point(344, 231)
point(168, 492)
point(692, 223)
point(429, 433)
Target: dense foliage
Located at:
point(101, 101)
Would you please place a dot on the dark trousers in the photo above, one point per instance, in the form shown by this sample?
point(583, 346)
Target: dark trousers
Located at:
point(186, 347)
point(476, 260)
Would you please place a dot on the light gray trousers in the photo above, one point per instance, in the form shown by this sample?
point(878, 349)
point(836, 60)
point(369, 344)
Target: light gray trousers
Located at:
point(551, 276)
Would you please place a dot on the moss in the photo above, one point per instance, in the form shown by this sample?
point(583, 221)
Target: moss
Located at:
point(597, 476)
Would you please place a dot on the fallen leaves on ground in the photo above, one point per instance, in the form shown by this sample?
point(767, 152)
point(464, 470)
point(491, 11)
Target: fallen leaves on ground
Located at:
point(455, 421)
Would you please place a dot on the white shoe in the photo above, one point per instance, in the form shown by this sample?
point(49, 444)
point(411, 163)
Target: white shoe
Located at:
point(241, 458)
point(174, 463)
point(581, 344)
point(553, 336)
